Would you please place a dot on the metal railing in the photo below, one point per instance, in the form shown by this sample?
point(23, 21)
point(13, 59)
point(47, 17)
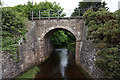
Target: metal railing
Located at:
point(69, 13)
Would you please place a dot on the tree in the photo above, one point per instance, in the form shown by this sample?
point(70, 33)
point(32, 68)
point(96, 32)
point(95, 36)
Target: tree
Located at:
point(62, 38)
point(0, 2)
point(104, 30)
point(59, 39)
point(12, 30)
point(86, 4)
point(44, 7)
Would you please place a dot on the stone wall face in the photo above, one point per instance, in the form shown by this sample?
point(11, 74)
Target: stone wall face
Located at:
point(88, 56)
point(34, 49)
point(72, 25)
point(28, 56)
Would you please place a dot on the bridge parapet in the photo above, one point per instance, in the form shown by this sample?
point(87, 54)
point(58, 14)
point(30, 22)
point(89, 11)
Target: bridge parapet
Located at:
point(54, 18)
point(59, 14)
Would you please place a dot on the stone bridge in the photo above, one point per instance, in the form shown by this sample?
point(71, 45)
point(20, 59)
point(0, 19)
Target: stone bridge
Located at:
point(46, 27)
point(37, 46)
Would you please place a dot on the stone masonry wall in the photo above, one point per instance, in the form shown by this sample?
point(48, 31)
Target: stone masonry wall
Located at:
point(28, 55)
point(88, 56)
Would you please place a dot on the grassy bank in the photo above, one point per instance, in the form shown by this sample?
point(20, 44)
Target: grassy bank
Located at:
point(33, 71)
point(30, 73)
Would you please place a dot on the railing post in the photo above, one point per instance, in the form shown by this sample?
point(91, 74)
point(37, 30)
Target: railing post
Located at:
point(69, 13)
point(32, 15)
point(49, 14)
point(39, 14)
point(79, 13)
point(58, 13)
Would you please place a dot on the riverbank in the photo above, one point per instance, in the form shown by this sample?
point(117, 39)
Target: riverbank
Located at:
point(58, 65)
point(30, 73)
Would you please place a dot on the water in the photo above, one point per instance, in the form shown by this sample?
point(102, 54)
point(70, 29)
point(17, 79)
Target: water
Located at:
point(59, 65)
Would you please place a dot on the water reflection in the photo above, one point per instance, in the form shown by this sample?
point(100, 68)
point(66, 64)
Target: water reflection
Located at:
point(63, 61)
point(59, 65)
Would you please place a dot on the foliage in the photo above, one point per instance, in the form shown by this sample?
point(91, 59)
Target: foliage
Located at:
point(104, 30)
point(59, 39)
point(29, 74)
point(12, 30)
point(116, 14)
point(71, 42)
point(0, 3)
point(44, 7)
point(62, 38)
point(86, 4)
point(109, 62)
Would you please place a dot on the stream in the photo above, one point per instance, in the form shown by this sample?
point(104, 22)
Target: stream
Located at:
point(60, 64)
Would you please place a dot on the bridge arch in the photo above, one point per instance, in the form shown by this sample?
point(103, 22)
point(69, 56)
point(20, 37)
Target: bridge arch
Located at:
point(59, 27)
point(45, 40)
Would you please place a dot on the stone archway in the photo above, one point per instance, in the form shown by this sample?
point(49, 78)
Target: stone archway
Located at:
point(45, 46)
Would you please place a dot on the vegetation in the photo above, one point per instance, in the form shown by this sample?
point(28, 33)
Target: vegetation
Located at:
point(29, 74)
point(104, 30)
point(59, 39)
point(0, 3)
point(12, 30)
point(63, 38)
point(86, 4)
point(44, 7)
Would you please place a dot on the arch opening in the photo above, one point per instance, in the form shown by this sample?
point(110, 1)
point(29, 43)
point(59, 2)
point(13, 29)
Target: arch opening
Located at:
point(65, 39)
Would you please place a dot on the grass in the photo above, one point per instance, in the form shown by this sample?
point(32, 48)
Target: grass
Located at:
point(30, 73)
